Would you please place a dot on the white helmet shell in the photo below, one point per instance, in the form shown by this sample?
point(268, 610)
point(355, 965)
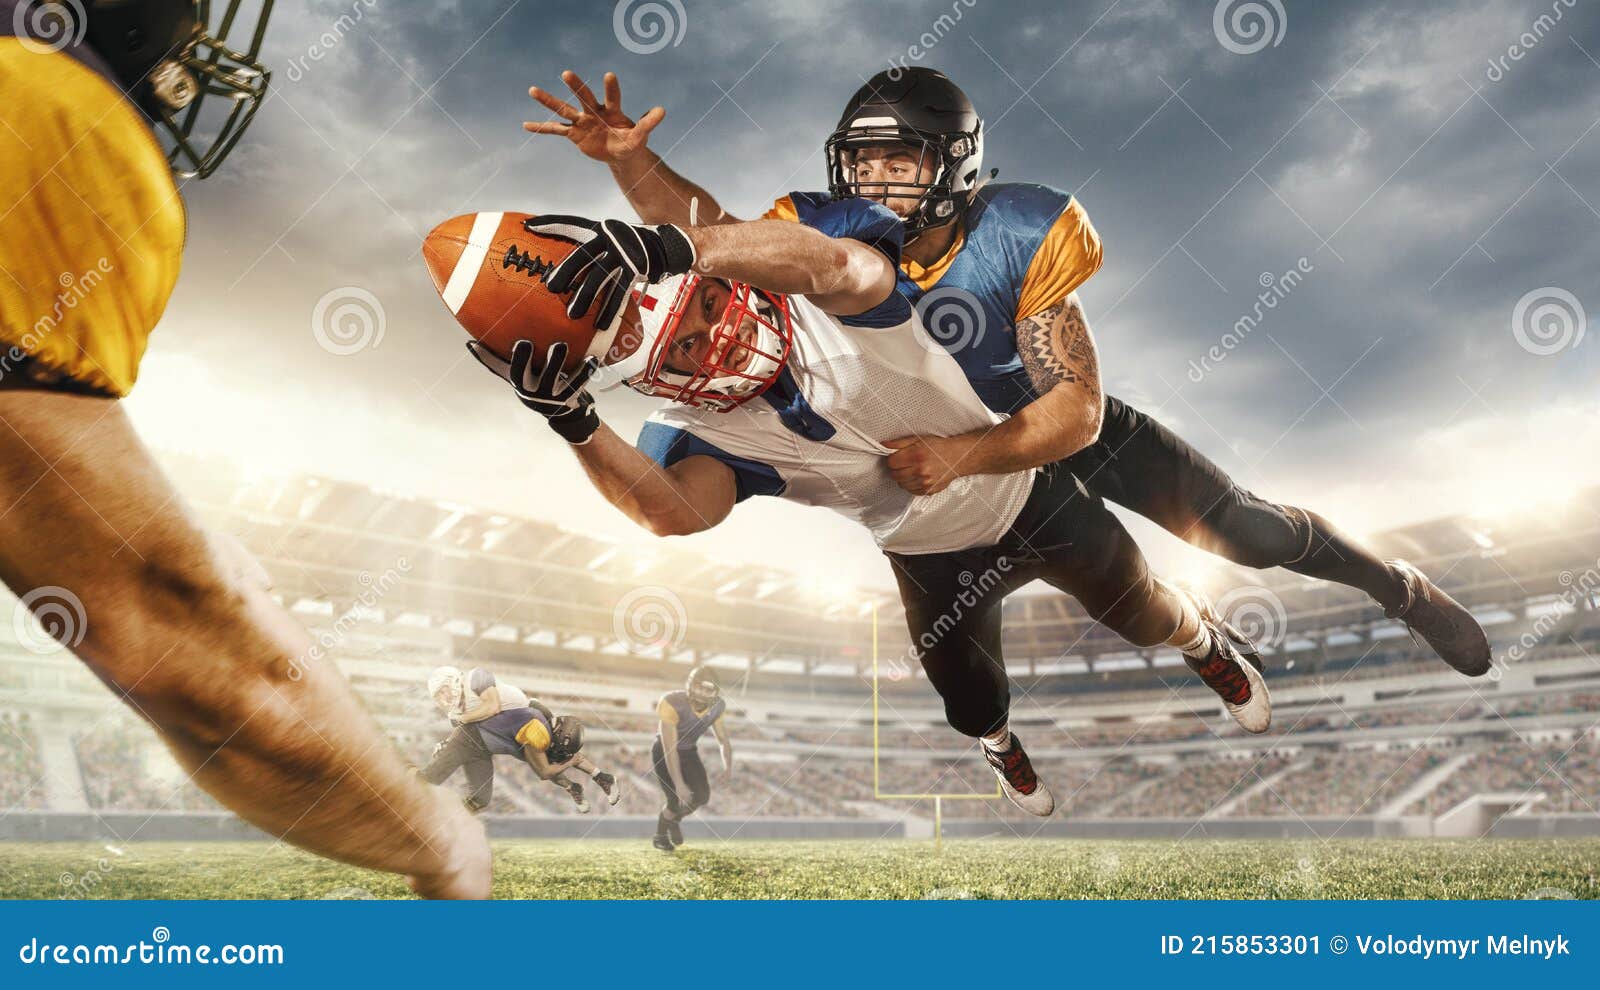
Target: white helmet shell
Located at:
point(448, 689)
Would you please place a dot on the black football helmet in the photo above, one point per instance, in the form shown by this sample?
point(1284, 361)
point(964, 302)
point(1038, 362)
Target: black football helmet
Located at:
point(923, 109)
point(170, 56)
point(566, 738)
point(703, 687)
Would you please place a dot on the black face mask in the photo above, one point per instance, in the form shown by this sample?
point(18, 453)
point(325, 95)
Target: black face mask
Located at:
point(199, 92)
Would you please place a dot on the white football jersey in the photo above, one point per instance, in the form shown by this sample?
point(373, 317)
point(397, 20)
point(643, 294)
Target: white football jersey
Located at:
point(480, 680)
point(817, 436)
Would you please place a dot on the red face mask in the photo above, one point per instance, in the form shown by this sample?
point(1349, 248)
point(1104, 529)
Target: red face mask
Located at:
point(744, 353)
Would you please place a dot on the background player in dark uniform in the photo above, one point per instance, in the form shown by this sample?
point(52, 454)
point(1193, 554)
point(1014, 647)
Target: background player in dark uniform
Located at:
point(911, 139)
point(685, 717)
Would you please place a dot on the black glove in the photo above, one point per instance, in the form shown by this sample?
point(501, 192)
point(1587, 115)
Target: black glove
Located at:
point(560, 398)
point(611, 255)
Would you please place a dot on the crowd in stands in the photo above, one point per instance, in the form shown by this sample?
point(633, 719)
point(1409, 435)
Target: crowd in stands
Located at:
point(1554, 776)
point(20, 766)
point(125, 768)
point(799, 766)
point(1341, 782)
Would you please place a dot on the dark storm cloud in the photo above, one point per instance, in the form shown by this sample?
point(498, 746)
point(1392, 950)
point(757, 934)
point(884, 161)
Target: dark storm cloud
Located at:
point(1423, 210)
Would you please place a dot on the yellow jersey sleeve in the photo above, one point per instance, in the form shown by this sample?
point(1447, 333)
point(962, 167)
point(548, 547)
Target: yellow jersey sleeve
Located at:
point(1068, 255)
point(91, 224)
point(667, 712)
point(534, 734)
point(782, 209)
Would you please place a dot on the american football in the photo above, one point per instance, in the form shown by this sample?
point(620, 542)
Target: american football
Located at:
point(490, 270)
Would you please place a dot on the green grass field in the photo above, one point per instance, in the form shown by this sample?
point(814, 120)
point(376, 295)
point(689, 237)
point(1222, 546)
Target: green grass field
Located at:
point(846, 869)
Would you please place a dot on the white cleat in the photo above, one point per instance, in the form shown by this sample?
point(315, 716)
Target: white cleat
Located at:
point(1018, 781)
point(610, 785)
point(1237, 682)
point(579, 800)
point(1233, 669)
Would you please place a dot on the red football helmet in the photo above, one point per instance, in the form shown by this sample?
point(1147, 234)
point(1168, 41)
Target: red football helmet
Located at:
point(743, 352)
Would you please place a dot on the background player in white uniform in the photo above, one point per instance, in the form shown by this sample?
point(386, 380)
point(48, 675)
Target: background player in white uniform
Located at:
point(795, 397)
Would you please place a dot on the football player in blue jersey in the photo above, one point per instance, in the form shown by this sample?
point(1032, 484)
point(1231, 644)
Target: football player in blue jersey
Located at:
point(994, 268)
point(496, 718)
point(675, 756)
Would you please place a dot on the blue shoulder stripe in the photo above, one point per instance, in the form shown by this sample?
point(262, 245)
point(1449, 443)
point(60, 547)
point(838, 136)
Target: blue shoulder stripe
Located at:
point(870, 223)
point(667, 445)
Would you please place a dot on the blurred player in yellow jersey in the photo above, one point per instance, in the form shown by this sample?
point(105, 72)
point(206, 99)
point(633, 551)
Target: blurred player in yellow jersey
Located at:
point(91, 235)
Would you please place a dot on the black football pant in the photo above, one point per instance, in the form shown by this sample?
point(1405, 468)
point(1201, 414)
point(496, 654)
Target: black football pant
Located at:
point(1141, 465)
point(1065, 537)
point(694, 777)
point(464, 749)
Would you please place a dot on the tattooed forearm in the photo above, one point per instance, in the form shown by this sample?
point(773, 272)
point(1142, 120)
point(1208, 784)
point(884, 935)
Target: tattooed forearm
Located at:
point(1057, 347)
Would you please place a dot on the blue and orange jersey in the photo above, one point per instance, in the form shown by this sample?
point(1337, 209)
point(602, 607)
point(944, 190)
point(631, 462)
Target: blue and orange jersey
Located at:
point(1021, 248)
point(674, 709)
point(508, 732)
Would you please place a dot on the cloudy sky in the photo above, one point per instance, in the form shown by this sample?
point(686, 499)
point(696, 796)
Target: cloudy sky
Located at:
point(1432, 168)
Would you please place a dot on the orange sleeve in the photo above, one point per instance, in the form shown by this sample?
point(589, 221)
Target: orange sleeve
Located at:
point(1068, 255)
point(666, 712)
point(534, 734)
point(782, 209)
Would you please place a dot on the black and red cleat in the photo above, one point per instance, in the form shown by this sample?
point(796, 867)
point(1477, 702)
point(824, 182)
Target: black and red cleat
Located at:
point(1232, 669)
point(1017, 779)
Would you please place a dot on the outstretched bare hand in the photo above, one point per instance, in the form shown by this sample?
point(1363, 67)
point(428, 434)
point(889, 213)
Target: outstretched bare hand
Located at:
point(600, 130)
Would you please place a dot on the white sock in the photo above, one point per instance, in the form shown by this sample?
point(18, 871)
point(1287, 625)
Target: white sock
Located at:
point(1199, 647)
point(998, 742)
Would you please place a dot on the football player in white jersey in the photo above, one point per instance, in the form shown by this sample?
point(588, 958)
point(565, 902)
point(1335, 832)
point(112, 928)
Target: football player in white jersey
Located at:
point(791, 390)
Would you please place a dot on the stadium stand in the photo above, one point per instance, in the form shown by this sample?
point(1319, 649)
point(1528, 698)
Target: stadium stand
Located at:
point(1368, 727)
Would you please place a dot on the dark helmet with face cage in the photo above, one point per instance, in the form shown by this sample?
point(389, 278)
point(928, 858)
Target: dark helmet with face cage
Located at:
point(922, 109)
point(175, 57)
